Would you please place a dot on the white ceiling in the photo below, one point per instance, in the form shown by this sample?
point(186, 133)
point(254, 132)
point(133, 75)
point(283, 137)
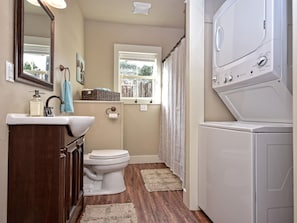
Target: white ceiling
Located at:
point(164, 13)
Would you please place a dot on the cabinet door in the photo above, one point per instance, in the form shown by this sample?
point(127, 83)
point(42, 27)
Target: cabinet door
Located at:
point(35, 181)
point(62, 169)
point(74, 178)
point(70, 151)
point(80, 167)
point(77, 174)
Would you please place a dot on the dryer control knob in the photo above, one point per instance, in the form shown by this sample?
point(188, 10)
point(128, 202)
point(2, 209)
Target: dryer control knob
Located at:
point(230, 78)
point(225, 80)
point(262, 61)
point(214, 78)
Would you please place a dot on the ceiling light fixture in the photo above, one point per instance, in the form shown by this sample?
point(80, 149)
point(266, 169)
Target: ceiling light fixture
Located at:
point(33, 2)
point(59, 4)
point(141, 8)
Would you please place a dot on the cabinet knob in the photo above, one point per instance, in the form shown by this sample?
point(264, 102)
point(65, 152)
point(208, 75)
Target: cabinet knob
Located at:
point(62, 155)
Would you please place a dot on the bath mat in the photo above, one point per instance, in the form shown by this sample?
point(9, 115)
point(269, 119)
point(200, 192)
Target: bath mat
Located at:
point(160, 180)
point(109, 213)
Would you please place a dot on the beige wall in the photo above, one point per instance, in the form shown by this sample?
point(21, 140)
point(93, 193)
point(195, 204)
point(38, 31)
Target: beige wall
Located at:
point(136, 131)
point(100, 38)
point(212, 102)
point(69, 40)
point(35, 25)
point(15, 96)
point(105, 133)
point(141, 129)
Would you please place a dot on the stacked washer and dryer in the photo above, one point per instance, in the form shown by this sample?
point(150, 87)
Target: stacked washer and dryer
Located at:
point(246, 166)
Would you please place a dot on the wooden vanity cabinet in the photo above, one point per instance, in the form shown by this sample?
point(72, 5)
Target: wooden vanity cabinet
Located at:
point(45, 174)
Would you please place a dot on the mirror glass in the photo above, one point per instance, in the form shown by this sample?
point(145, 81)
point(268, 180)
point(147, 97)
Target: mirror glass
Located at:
point(34, 38)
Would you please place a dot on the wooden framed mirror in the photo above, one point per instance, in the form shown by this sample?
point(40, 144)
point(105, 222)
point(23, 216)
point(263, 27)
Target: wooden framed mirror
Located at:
point(34, 44)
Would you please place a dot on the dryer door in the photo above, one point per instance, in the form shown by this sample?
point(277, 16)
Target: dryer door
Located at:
point(239, 29)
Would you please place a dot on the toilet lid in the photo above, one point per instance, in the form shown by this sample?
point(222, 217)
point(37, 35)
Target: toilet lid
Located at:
point(108, 154)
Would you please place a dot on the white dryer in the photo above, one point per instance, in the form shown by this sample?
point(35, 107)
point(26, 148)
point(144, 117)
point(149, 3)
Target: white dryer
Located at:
point(251, 73)
point(246, 172)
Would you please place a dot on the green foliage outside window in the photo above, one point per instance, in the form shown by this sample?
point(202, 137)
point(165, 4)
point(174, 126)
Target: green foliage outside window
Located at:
point(128, 68)
point(146, 70)
point(30, 66)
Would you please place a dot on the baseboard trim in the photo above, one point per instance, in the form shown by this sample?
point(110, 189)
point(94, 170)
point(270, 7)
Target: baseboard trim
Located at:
point(144, 159)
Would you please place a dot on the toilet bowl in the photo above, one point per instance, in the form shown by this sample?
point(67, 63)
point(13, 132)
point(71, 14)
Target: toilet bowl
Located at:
point(103, 172)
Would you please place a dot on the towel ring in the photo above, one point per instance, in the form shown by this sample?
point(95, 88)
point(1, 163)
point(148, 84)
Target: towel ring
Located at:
point(110, 110)
point(62, 68)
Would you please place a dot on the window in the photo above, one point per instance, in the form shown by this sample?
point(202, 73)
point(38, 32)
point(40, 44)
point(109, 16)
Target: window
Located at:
point(137, 73)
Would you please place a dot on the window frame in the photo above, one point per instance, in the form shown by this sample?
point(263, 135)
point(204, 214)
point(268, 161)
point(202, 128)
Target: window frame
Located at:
point(138, 52)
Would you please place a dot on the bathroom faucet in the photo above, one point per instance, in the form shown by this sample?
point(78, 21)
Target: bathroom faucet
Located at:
point(48, 112)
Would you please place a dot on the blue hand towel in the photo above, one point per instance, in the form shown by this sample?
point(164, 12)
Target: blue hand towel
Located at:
point(67, 97)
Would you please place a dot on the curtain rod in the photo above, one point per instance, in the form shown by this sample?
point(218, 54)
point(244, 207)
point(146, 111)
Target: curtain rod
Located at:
point(176, 45)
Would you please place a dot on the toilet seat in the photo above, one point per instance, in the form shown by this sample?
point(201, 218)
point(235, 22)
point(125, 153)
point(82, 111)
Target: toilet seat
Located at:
point(106, 157)
point(108, 154)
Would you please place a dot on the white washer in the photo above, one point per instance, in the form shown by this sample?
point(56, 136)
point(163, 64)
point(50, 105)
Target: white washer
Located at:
point(245, 172)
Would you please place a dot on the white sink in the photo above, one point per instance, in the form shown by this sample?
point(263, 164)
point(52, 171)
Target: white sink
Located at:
point(79, 125)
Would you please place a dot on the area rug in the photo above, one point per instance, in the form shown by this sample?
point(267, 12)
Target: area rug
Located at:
point(109, 213)
point(160, 180)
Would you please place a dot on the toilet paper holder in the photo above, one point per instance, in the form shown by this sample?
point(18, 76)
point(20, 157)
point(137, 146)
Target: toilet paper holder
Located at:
point(111, 110)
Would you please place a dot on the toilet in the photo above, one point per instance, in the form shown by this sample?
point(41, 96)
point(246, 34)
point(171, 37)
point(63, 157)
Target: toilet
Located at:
point(103, 172)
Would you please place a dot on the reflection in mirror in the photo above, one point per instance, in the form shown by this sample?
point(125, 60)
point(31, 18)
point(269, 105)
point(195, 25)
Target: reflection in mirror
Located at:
point(36, 57)
point(34, 44)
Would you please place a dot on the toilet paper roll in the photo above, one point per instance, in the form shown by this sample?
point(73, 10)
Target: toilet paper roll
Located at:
point(113, 115)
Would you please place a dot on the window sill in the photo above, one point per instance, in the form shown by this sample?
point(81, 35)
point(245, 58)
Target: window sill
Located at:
point(139, 102)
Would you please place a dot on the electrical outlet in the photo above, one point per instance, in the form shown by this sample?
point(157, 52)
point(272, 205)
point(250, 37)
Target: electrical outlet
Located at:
point(9, 71)
point(143, 108)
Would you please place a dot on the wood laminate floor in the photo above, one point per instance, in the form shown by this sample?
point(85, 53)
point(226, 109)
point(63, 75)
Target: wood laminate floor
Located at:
point(151, 207)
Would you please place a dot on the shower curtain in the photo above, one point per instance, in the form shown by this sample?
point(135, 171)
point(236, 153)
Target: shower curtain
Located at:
point(172, 141)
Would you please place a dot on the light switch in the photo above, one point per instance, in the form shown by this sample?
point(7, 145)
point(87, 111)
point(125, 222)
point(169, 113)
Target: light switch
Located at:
point(9, 71)
point(143, 108)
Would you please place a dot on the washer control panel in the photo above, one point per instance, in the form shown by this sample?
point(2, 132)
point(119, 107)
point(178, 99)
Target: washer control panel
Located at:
point(253, 69)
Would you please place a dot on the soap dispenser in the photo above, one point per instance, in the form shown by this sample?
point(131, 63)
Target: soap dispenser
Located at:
point(36, 105)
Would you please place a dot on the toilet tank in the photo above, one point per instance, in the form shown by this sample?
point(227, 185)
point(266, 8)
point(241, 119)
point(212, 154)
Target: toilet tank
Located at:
point(107, 130)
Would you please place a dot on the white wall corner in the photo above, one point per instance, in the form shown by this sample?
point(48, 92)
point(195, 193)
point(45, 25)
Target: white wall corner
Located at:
point(294, 14)
point(195, 96)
